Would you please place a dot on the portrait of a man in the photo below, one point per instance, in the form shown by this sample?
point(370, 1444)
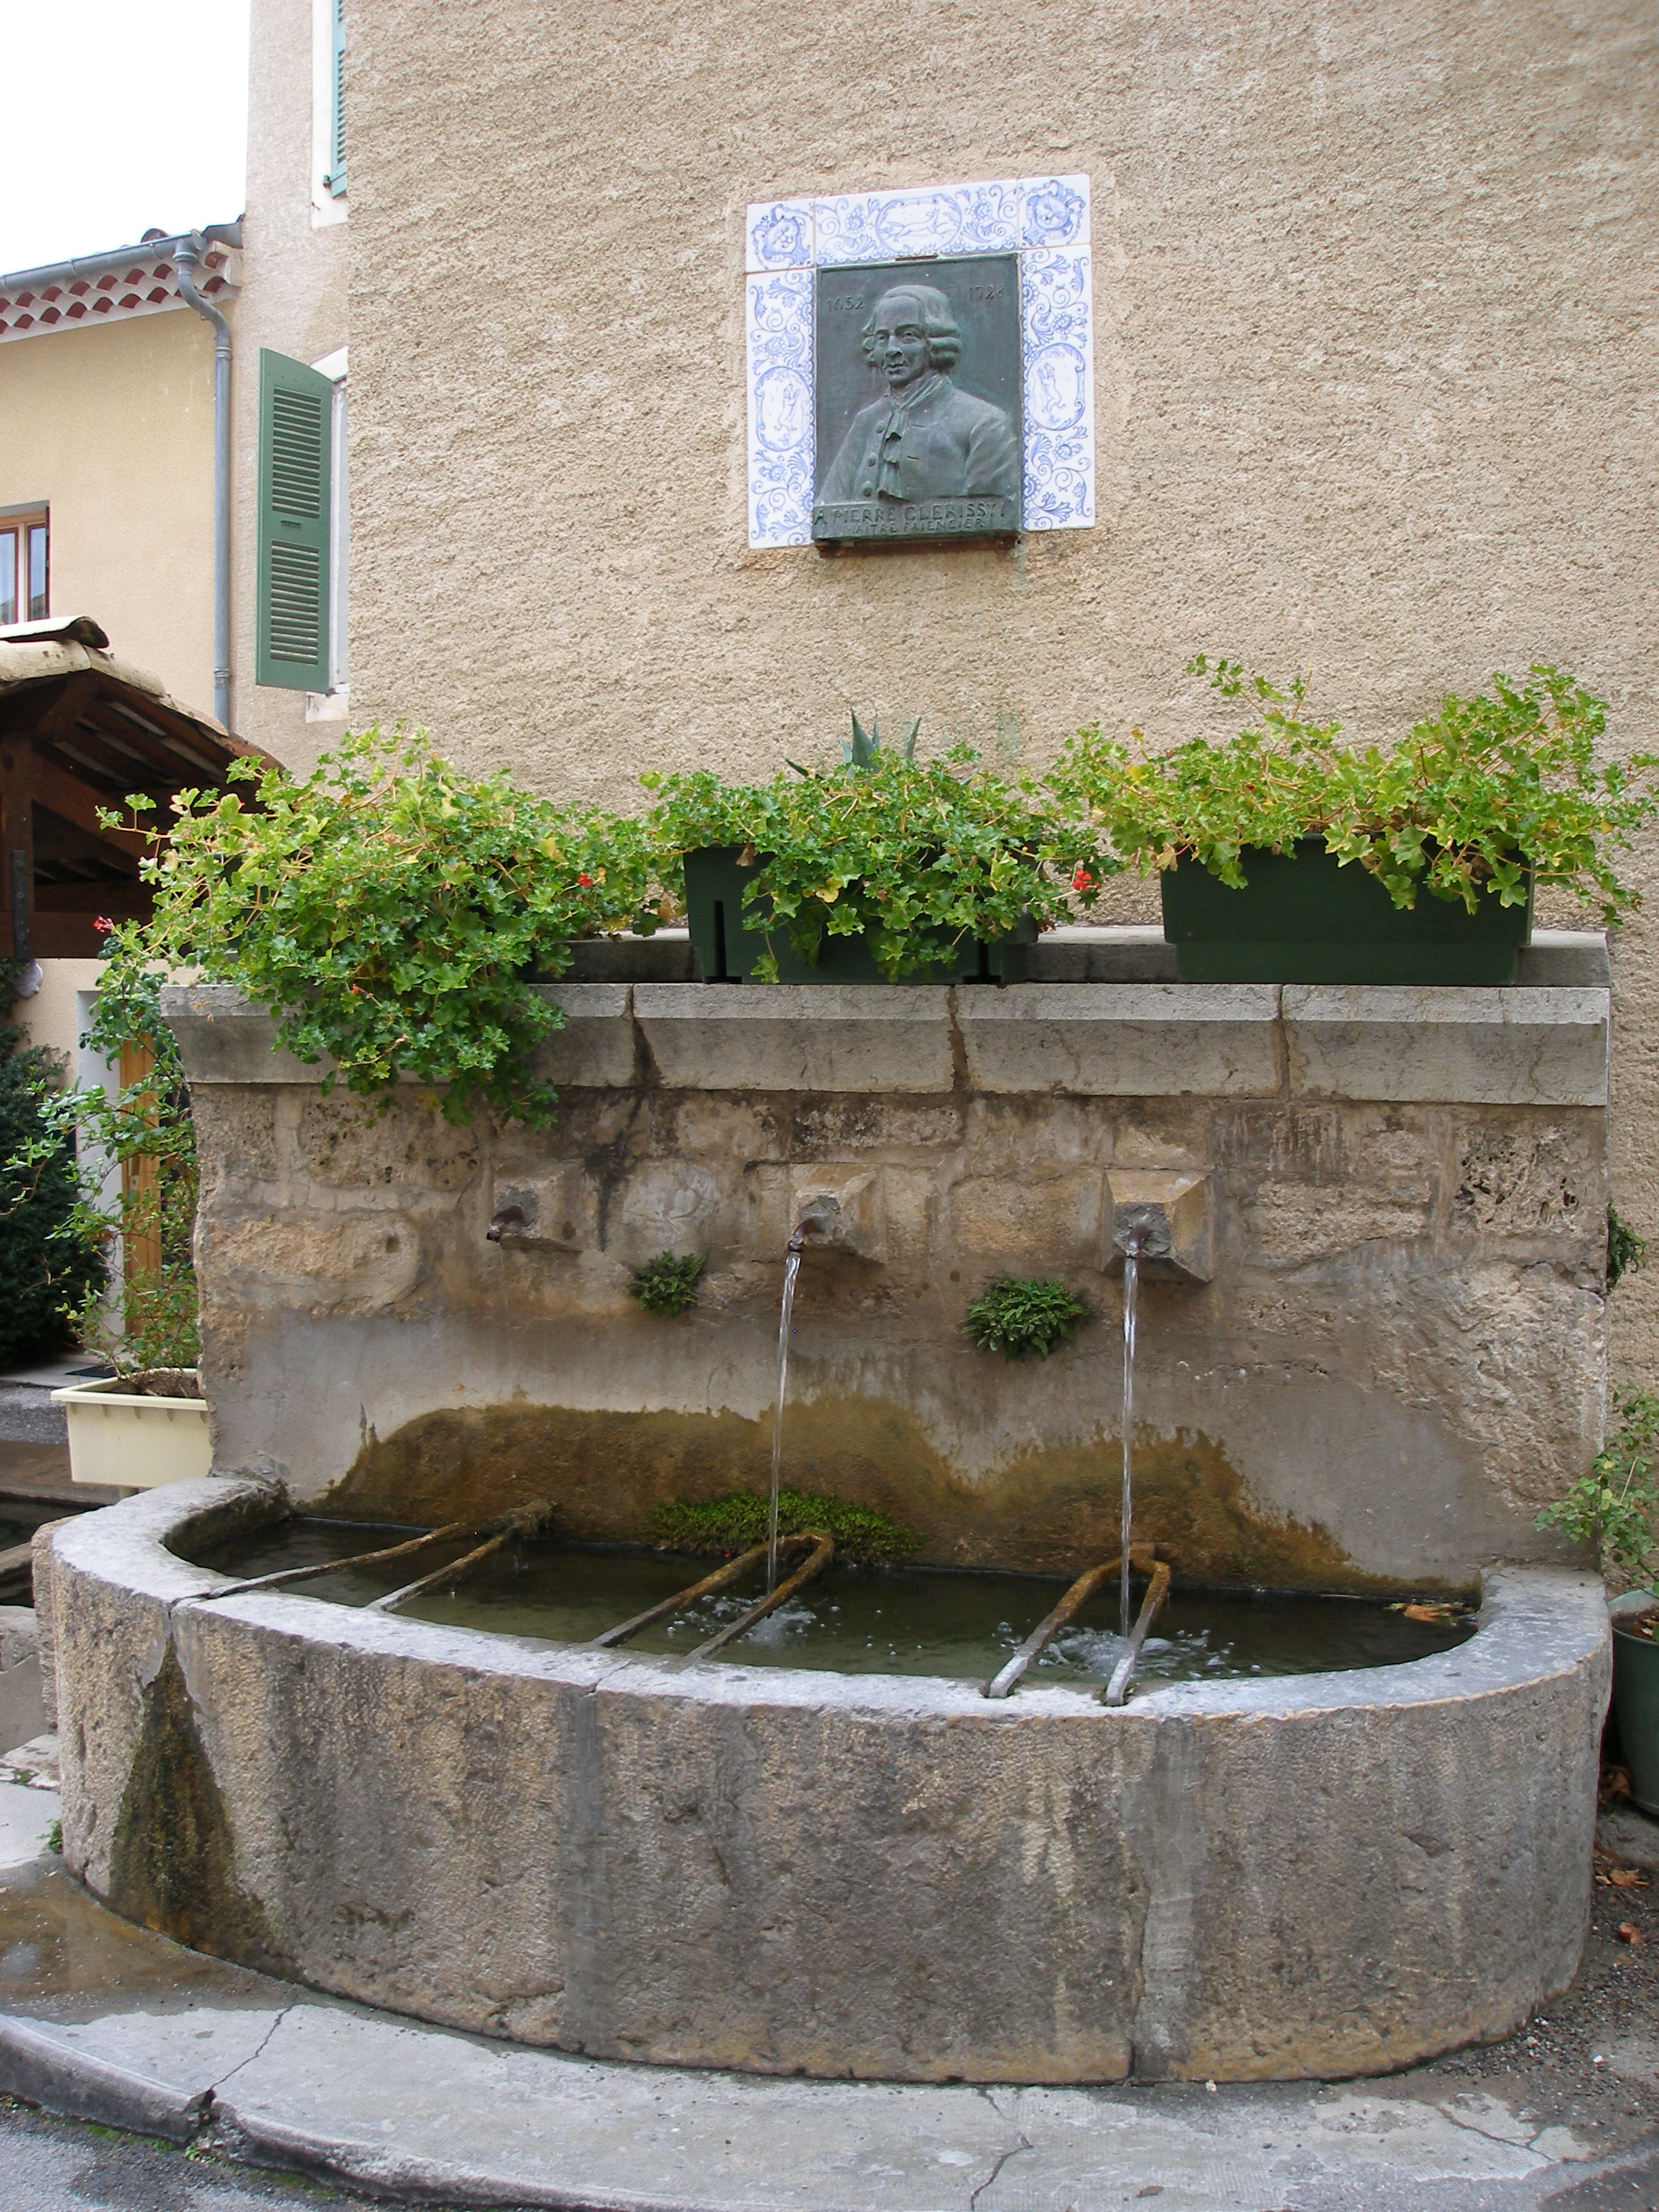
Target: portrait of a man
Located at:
point(925, 438)
point(932, 453)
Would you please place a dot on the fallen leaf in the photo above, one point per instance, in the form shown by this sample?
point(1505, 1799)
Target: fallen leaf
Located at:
point(1629, 1933)
point(1434, 1613)
point(1615, 1782)
point(1627, 1878)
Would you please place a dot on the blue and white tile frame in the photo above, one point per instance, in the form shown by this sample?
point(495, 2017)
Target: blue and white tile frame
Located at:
point(1045, 220)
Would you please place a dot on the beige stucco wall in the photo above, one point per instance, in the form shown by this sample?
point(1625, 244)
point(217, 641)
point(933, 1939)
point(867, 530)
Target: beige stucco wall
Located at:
point(113, 427)
point(293, 301)
point(1375, 380)
point(51, 1017)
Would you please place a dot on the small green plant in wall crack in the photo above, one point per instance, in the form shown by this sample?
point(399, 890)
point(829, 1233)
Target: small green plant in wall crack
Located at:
point(1627, 1252)
point(1611, 1509)
point(667, 1285)
point(1016, 1315)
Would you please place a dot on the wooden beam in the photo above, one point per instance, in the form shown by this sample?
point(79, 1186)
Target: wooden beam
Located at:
point(124, 902)
point(76, 802)
point(67, 937)
point(16, 862)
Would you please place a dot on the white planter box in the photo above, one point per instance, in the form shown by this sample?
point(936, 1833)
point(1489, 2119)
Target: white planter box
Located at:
point(126, 1441)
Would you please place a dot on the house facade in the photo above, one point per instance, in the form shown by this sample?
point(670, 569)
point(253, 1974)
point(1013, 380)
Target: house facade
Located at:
point(1363, 360)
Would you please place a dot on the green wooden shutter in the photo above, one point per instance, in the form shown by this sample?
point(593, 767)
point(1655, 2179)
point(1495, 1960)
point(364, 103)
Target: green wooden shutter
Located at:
point(291, 598)
point(336, 158)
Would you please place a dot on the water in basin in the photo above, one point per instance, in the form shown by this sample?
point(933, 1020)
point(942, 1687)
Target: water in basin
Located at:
point(891, 1620)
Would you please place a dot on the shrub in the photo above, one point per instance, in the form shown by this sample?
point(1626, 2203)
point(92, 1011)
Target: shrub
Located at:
point(901, 852)
point(144, 1135)
point(1484, 796)
point(47, 1271)
point(1014, 1316)
point(1611, 1509)
point(668, 1284)
point(393, 913)
point(739, 1521)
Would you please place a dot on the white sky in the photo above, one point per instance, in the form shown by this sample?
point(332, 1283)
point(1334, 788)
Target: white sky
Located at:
point(122, 116)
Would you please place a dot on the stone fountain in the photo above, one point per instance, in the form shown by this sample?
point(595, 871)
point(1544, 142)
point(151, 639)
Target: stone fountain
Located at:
point(1370, 1228)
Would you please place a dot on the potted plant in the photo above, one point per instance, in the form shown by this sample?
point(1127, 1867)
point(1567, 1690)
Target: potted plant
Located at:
point(886, 869)
point(1285, 857)
point(395, 915)
point(1611, 1509)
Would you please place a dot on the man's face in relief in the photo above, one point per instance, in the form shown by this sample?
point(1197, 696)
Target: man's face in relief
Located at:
point(898, 342)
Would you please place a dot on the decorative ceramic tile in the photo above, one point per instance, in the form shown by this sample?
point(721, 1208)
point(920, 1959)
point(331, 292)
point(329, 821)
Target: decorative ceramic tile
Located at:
point(1057, 342)
point(778, 234)
point(1044, 219)
point(779, 324)
point(1053, 211)
point(890, 226)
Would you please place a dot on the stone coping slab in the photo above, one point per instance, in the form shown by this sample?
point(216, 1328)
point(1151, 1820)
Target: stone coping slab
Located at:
point(1529, 1047)
point(1124, 1040)
point(797, 1037)
point(1488, 1048)
point(715, 1823)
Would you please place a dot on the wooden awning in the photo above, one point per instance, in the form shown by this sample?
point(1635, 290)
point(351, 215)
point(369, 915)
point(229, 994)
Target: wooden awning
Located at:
point(80, 729)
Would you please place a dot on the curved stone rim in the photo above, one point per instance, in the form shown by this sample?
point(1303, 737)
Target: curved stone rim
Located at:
point(1535, 1623)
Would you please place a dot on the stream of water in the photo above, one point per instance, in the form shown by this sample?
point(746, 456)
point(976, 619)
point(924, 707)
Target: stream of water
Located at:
point(1131, 1290)
point(791, 1270)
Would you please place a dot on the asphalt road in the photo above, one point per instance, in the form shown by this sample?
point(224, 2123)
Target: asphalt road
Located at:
point(57, 2166)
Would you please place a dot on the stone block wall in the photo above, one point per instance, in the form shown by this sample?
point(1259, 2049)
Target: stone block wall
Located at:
point(1401, 1355)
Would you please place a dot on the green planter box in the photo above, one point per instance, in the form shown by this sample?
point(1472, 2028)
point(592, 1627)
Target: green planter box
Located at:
point(727, 951)
point(1636, 1700)
point(1301, 918)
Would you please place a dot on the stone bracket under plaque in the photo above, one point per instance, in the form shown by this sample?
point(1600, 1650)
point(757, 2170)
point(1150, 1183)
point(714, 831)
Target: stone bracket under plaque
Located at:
point(1170, 1209)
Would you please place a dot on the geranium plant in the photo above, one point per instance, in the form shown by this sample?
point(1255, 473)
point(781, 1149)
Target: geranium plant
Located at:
point(393, 913)
point(1484, 797)
point(912, 855)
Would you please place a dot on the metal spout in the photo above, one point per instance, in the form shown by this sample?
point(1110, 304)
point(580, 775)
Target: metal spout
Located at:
point(508, 1217)
point(818, 1219)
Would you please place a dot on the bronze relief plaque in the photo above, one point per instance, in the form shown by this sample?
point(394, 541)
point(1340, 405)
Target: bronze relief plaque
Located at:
point(917, 388)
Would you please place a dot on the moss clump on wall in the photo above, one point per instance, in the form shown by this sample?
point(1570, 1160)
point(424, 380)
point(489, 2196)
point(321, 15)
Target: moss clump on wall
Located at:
point(668, 1286)
point(739, 1519)
point(1014, 1315)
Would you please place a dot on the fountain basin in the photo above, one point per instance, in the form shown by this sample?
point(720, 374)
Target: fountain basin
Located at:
point(782, 1871)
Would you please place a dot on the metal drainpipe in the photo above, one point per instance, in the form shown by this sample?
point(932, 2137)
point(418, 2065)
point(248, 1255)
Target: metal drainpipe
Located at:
point(186, 257)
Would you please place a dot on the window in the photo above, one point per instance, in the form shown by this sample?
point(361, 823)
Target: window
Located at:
point(25, 566)
point(328, 119)
point(335, 179)
point(293, 520)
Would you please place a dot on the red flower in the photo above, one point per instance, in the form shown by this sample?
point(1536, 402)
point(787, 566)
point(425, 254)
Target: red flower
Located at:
point(587, 882)
point(1081, 880)
point(102, 924)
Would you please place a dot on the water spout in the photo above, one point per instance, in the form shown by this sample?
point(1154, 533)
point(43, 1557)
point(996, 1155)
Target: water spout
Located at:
point(1132, 1245)
point(507, 1217)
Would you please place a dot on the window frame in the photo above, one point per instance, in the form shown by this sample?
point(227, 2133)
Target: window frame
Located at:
point(329, 201)
point(20, 524)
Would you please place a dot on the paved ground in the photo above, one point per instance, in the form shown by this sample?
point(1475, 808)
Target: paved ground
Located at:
point(61, 2166)
point(27, 1416)
point(104, 2019)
